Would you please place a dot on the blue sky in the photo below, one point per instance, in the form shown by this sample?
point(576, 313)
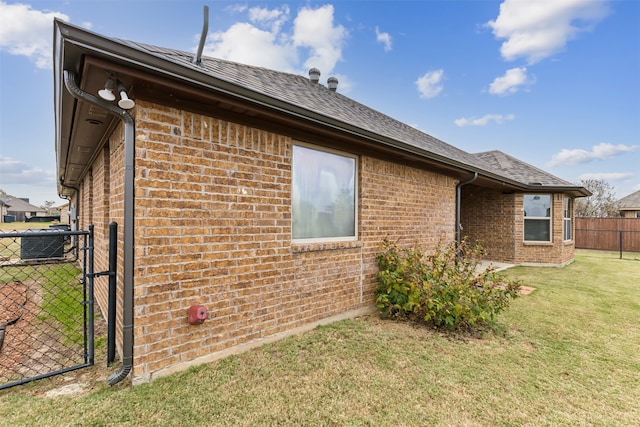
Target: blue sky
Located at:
point(555, 83)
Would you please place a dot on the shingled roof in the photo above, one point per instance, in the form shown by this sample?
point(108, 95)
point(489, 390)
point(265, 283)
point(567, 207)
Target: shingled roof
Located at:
point(15, 204)
point(301, 92)
point(630, 202)
point(297, 95)
point(520, 171)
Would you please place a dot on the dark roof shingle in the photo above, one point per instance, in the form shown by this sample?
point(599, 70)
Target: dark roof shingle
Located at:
point(520, 171)
point(294, 92)
point(299, 91)
point(630, 202)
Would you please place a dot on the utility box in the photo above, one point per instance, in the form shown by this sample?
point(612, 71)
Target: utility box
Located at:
point(41, 246)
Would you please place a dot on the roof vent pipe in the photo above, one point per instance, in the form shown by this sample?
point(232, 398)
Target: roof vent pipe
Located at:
point(314, 75)
point(203, 37)
point(332, 82)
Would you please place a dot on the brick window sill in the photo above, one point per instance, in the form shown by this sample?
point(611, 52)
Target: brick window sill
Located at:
point(537, 243)
point(325, 246)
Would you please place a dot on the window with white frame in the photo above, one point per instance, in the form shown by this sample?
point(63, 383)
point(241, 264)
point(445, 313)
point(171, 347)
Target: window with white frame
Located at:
point(567, 214)
point(537, 217)
point(323, 194)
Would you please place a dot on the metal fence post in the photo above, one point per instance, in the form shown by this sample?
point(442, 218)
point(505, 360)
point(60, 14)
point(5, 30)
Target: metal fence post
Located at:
point(620, 243)
point(89, 302)
point(111, 315)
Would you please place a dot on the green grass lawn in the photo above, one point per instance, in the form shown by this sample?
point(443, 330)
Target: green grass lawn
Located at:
point(567, 354)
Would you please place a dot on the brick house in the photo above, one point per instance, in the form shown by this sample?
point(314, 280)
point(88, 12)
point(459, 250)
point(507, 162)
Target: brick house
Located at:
point(18, 209)
point(264, 196)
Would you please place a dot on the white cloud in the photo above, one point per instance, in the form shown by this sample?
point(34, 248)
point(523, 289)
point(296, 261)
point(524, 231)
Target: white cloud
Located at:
point(537, 29)
point(14, 172)
point(511, 82)
point(236, 8)
point(384, 38)
point(274, 18)
point(247, 44)
point(484, 120)
point(265, 42)
point(27, 32)
point(604, 150)
point(606, 176)
point(429, 84)
point(314, 29)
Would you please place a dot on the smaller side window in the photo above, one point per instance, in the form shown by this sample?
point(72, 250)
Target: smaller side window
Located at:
point(567, 215)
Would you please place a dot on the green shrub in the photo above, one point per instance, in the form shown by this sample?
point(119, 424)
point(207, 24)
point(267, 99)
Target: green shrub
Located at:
point(445, 289)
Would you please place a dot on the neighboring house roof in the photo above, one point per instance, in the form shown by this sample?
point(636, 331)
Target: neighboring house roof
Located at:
point(630, 202)
point(15, 204)
point(270, 92)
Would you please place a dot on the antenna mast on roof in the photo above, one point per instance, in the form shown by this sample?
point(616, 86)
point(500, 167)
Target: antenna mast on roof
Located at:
point(203, 37)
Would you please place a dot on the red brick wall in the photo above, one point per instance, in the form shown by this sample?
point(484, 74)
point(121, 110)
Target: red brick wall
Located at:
point(402, 204)
point(487, 218)
point(496, 220)
point(213, 227)
point(101, 219)
point(101, 202)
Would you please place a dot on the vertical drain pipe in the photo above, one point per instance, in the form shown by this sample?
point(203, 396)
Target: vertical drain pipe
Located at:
point(458, 203)
point(128, 247)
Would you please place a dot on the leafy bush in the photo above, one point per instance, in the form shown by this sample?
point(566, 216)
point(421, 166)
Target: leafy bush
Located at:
point(445, 289)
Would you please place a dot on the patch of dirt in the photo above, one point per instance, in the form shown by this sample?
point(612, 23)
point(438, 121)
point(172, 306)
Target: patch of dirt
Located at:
point(34, 346)
point(79, 382)
point(17, 313)
point(66, 390)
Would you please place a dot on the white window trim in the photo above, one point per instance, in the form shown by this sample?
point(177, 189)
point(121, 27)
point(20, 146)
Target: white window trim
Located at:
point(355, 192)
point(565, 218)
point(549, 218)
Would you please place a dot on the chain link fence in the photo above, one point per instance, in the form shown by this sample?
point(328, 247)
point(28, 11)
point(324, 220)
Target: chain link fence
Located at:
point(46, 303)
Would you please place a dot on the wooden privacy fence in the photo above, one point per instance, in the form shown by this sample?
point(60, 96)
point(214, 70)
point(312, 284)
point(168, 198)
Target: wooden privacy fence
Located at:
point(610, 234)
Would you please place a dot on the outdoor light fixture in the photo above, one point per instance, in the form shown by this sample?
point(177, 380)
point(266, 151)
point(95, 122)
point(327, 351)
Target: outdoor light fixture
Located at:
point(107, 92)
point(125, 103)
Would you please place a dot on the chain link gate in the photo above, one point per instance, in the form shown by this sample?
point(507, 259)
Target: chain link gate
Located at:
point(46, 303)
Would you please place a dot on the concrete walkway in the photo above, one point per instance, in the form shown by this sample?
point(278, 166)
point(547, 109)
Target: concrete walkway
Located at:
point(524, 290)
point(496, 265)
